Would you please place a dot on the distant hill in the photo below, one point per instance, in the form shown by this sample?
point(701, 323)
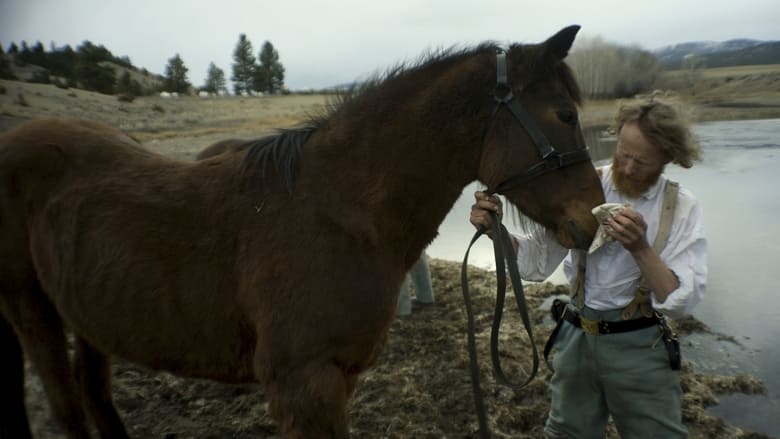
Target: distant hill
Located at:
point(734, 52)
point(765, 53)
point(89, 67)
point(33, 73)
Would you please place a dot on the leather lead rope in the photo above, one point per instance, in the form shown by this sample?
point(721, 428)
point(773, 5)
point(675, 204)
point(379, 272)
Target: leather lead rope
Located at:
point(505, 257)
point(551, 160)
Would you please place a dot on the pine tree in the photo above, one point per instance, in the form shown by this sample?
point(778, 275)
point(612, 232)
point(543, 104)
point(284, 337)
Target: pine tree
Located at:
point(89, 73)
point(176, 76)
point(126, 85)
point(6, 72)
point(243, 67)
point(61, 62)
point(23, 55)
point(38, 55)
point(215, 80)
point(269, 77)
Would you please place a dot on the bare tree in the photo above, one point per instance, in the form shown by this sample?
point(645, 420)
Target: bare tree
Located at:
point(606, 70)
point(691, 66)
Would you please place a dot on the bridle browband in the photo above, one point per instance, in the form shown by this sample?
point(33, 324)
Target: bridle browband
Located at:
point(551, 158)
point(502, 246)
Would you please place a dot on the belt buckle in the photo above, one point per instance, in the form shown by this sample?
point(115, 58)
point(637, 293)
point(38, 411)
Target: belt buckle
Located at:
point(589, 326)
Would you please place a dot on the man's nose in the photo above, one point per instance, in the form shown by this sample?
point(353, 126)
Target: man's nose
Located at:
point(629, 167)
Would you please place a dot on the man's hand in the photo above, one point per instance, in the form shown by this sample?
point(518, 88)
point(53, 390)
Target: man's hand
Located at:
point(480, 210)
point(628, 227)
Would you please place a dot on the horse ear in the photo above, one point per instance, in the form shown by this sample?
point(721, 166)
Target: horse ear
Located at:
point(559, 44)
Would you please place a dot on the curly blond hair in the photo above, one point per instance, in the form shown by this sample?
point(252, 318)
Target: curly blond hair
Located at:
point(664, 126)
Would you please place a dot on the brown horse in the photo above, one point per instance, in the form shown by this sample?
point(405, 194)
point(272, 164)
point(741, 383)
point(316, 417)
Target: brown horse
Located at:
point(222, 147)
point(279, 265)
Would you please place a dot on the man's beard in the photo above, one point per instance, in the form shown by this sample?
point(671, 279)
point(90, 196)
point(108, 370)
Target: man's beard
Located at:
point(631, 187)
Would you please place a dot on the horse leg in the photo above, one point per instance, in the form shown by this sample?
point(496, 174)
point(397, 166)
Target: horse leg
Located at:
point(40, 331)
point(93, 376)
point(13, 415)
point(311, 401)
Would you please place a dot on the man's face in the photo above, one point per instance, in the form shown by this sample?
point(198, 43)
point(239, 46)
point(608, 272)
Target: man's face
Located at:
point(637, 163)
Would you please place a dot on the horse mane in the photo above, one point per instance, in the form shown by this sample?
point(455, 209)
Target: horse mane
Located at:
point(439, 58)
point(275, 159)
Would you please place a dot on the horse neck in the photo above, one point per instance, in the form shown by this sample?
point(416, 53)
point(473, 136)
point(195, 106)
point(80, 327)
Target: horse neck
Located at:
point(398, 183)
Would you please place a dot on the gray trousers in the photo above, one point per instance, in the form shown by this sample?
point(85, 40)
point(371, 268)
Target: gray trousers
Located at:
point(420, 276)
point(624, 375)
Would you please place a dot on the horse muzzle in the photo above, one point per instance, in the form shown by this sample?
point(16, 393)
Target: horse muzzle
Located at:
point(576, 234)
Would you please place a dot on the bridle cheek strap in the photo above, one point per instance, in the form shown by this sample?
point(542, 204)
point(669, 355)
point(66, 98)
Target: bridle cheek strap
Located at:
point(551, 159)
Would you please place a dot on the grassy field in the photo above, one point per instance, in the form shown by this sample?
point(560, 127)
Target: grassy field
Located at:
point(729, 74)
point(178, 127)
point(182, 126)
point(725, 93)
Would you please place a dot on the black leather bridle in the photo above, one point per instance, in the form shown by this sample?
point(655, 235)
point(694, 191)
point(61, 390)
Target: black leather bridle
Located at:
point(551, 158)
point(502, 246)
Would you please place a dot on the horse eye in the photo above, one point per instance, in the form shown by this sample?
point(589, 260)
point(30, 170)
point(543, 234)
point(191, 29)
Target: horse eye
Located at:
point(568, 117)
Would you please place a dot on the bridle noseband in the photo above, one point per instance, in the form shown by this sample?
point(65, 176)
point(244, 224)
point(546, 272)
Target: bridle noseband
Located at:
point(551, 158)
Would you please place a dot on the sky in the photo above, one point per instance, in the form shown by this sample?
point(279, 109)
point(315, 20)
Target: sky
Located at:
point(325, 43)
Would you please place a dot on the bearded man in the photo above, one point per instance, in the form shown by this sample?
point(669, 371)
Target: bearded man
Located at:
point(615, 354)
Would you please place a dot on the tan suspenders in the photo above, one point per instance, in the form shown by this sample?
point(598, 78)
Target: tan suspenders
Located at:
point(641, 298)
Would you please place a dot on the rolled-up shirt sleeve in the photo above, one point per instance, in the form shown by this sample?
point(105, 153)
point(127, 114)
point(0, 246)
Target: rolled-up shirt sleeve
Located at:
point(538, 254)
point(686, 255)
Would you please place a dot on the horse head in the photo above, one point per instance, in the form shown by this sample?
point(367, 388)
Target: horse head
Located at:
point(534, 152)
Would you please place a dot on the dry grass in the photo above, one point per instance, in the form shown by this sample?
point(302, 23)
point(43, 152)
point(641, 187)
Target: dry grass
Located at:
point(178, 127)
point(420, 387)
point(726, 93)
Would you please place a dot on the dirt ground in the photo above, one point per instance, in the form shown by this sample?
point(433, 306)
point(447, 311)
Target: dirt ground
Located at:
point(421, 385)
point(420, 388)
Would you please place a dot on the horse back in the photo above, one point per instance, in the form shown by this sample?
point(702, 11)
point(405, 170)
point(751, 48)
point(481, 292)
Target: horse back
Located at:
point(35, 160)
point(38, 155)
point(123, 240)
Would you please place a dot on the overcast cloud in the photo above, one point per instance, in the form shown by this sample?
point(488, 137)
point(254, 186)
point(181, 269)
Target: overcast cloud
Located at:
point(324, 43)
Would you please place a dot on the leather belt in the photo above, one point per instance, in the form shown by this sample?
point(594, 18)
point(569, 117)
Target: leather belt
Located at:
point(600, 327)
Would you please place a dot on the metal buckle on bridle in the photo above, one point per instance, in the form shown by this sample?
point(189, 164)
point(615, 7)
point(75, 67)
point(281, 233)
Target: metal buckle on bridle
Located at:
point(502, 84)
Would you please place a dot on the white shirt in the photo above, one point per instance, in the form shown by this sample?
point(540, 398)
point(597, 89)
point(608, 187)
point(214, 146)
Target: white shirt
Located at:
point(612, 276)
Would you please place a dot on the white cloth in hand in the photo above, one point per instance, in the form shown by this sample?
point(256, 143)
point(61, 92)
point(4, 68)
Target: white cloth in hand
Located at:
point(602, 213)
